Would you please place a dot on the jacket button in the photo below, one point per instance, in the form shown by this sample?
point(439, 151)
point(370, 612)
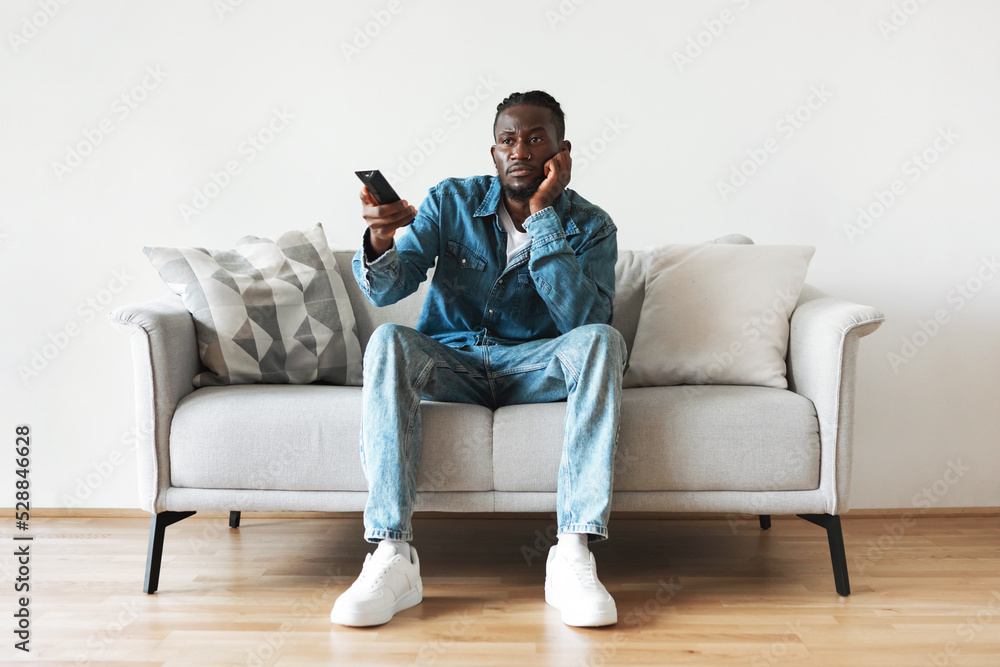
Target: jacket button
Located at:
point(463, 260)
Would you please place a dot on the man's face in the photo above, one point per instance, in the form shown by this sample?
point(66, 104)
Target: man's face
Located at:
point(525, 139)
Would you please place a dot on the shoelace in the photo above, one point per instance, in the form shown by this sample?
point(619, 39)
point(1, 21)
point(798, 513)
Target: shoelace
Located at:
point(584, 572)
point(373, 572)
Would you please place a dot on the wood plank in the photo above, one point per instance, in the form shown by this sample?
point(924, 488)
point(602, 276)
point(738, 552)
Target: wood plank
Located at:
point(688, 592)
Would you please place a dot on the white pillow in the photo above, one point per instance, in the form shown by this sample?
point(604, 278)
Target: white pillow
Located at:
point(717, 314)
point(267, 311)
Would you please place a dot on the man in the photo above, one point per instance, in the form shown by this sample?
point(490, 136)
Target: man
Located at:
point(518, 311)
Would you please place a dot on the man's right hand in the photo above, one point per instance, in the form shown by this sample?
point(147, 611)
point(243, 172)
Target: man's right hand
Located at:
point(384, 220)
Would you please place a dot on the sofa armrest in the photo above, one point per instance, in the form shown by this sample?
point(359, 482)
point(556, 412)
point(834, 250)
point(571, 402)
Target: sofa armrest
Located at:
point(165, 359)
point(822, 362)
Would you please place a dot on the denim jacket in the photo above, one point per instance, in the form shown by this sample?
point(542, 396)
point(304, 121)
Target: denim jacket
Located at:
point(563, 278)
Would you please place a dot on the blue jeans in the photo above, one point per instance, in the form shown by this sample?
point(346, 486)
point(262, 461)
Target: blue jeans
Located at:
point(403, 366)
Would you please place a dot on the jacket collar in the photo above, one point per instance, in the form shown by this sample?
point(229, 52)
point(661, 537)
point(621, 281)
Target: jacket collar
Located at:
point(491, 201)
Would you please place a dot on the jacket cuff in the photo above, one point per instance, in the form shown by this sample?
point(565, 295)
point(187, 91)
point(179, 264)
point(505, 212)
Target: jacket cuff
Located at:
point(369, 252)
point(544, 226)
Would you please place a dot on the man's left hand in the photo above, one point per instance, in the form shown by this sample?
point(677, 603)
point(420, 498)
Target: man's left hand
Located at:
point(557, 174)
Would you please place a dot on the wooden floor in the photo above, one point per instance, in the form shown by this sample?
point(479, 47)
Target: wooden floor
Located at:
point(925, 592)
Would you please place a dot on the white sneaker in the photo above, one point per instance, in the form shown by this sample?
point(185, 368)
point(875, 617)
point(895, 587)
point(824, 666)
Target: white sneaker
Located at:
point(572, 587)
point(389, 582)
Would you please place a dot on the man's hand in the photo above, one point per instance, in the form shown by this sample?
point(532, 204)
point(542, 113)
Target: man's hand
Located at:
point(557, 174)
point(384, 220)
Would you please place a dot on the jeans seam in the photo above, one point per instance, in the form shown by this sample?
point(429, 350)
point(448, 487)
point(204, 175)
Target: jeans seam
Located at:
point(489, 375)
point(520, 369)
point(569, 367)
point(568, 491)
point(420, 382)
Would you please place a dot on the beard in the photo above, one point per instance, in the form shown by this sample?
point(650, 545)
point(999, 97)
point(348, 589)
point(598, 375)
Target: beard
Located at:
point(524, 194)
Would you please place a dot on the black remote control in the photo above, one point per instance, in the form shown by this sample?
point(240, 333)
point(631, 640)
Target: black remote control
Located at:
point(378, 186)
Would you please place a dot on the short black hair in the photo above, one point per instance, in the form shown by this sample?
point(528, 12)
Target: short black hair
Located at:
point(538, 98)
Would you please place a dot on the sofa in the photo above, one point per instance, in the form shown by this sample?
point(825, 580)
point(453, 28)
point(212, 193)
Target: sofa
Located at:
point(742, 451)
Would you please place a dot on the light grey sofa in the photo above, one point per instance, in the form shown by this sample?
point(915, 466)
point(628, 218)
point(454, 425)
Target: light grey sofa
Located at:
point(738, 450)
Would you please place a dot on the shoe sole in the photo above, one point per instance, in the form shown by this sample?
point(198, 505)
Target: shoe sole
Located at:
point(411, 598)
point(581, 619)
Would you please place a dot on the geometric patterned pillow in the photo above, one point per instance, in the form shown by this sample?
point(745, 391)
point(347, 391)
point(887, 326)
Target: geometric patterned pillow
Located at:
point(266, 311)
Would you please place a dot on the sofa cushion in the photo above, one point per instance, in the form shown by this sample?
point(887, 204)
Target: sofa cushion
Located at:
point(306, 438)
point(266, 311)
point(717, 314)
point(630, 287)
point(687, 438)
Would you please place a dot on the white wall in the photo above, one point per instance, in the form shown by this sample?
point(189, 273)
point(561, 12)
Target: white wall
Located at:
point(661, 136)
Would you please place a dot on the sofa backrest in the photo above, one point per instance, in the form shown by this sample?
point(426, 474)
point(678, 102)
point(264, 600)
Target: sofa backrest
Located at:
point(630, 273)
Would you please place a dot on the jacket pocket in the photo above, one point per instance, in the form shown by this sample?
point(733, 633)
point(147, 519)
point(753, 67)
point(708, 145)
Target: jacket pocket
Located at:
point(463, 269)
point(528, 303)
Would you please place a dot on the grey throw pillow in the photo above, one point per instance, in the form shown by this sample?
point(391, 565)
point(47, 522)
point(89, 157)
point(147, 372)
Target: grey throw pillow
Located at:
point(717, 314)
point(266, 311)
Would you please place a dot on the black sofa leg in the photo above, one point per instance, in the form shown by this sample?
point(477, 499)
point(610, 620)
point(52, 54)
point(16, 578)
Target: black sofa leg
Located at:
point(157, 527)
point(765, 521)
point(234, 519)
point(835, 536)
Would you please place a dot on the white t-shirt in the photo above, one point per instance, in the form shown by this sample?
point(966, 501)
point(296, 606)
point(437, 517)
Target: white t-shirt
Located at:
point(515, 239)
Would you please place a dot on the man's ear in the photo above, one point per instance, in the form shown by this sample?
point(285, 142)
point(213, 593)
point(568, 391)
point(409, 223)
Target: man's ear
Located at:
point(565, 146)
point(493, 156)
